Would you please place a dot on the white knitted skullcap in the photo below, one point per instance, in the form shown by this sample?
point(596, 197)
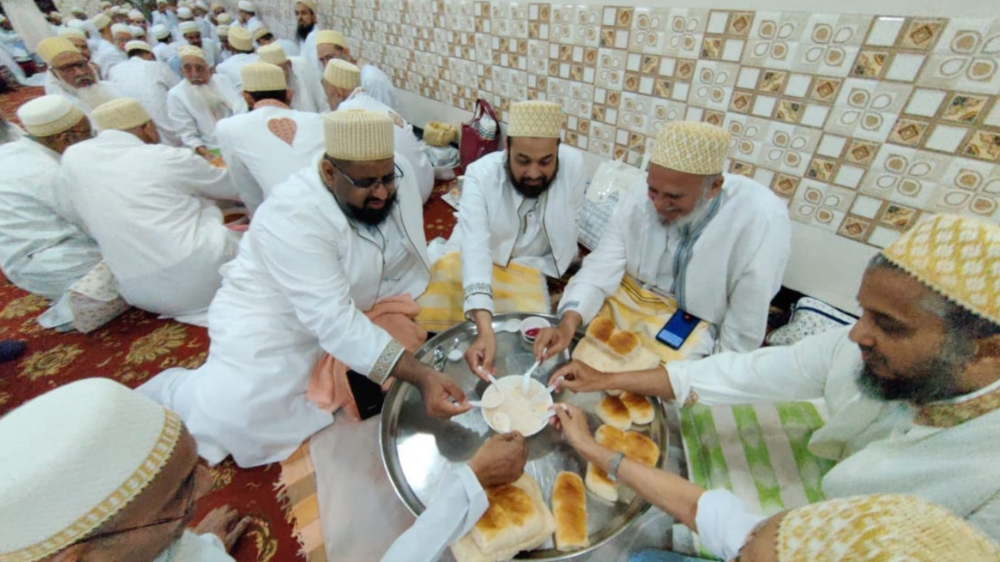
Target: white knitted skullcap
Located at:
point(136, 15)
point(47, 116)
point(691, 147)
point(185, 13)
point(224, 18)
point(342, 74)
point(120, 114)
point(541, 119)
point(100, 21)
point(77, 10)
point(239, 39)
point(186, 27)
point(51, 47)
point(201, 5)
point(247, 6)
point(358, 135)
point(191, 51)
point(137, 31)
point(273, 54)
point(262, 77)
point(72, 33)
point(222, 30)
point(160, 31)
point(72, 459)
point(138, 45)
point(330, 37)
point(260, 32)
point(120, 28)
point(77, 24)
point(311, 4)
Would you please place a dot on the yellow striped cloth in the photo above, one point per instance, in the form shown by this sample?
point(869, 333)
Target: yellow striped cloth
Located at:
point(297, 488)
point(516, 288)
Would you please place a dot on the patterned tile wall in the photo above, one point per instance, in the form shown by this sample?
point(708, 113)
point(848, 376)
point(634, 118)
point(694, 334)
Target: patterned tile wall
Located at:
point(862, 123)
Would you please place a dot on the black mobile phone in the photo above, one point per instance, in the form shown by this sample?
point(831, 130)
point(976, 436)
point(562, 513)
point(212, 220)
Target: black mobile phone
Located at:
point(367, 395)
point(676, 331)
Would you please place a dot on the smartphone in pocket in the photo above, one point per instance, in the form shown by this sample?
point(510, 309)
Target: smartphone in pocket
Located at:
point(677, 330)
point(367, 395)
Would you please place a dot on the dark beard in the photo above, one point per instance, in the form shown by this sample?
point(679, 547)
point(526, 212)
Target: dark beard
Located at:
point(531, 191)
point(370, 217)
point(303, 31)
point(929, 381)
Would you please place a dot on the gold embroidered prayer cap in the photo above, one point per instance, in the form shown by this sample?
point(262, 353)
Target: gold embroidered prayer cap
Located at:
point(311, 4)
point(358, 135)
point(330, 37)
point(186, 27)
point(240, 39)
point(958, 257)
point(262, 77)
point(273, 54)
point(691, 147)
point(49, 115)
point(224, 18)
point(540, 119)
point(342, 74)
point(222, 30)
point(138, 46)
point(72, 33)
point(120, 114)
point(260, 32)
point(191, 51)
point(72, 459)
point(886, 527)
point(51, 47)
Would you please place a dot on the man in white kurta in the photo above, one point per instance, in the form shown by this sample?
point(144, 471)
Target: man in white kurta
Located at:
point(165, 48)
point(71, 76)
point(319, 253)
point(105, 53)
point(260, 149)
point(164, 199)
point(305, 31)
point(716, 243)
point(248, 16)
point(330, 45)
point(263, 37)
point(200, 101)
point(148, 81)
point(41, 250)
point(301, 77)
point(191, 35)
point(241, 44)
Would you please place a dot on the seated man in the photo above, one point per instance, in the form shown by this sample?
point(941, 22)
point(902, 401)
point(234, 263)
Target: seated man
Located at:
point(41, 250)
point(106, 53)
point(191, 33)
point(71, 76)
point(248, 15)
point(241, 45)
point(260, 152)
point(110, 475)
point(166, 48)
point(912, 389)
point(332, 45)
point(716, 243)
point(78, 37)
point(150, 208)
point(222, 32)
point(331, 243)
point(300, 76)
point(147, 80)
point(263, 37)
point(341, 81)
point(200, 101)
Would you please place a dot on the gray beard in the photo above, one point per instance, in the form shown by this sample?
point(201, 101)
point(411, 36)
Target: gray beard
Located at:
point(93, 96)
point(700, 208)
point(208, 97)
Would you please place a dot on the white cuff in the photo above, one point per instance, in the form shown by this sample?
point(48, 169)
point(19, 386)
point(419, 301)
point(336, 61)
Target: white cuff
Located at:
point(680, 382)
point(724, 523)
point(478, 301)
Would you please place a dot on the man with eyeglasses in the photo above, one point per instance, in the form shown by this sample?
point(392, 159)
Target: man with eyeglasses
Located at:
point(94, 471)
point(70, 75)
point(334, 242)
point(41, 249)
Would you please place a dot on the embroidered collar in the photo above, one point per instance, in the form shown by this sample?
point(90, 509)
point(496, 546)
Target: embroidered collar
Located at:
point(949, 413)
point(270, 103)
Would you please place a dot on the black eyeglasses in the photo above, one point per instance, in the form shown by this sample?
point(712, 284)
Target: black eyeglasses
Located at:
point(389, 181)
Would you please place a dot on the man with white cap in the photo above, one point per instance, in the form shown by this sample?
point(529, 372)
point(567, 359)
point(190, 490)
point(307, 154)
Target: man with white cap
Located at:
point(333, 45)
point(328, 245)
point(41, 249)
point(207, 28)
point(306, 29)
point(263, 37)
point(163, 197)
point(241, 44)
point(95, 471)
point(222, 33)
point(121, 34)
point(164, 14)
point(70, 75)
point(148, 81)
point(248, 15)
point(912, 389)
point(300, 76)
point(715, 244)
point(200, 101)
point(341, 80)
point(191, 35)
point(78, 37)
point(165, 49)
point(106, 54)
point(266, 146)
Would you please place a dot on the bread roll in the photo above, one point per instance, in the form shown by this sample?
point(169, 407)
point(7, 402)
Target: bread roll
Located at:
point(610, 437)
point(492, 534)
point(510, 517)
point(569, 507)
point(598, 483)
point(639, 408)
point(640, 448)
point(613, 412)
point(601, 329)
point(624, 344)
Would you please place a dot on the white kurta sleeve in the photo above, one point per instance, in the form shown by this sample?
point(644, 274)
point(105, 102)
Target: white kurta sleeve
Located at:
point(461, 502)
point(724, 523)
point(308, 268)
point(249, 191)
point(194, 175)
point(182, 121)
point(474, 240)
point(771, 374)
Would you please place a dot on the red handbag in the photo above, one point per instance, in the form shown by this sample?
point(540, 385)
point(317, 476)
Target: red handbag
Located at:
point(477, 138)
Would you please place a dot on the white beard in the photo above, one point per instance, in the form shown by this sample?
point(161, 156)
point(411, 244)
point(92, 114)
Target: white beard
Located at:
point(208, 96)
point(93, 96)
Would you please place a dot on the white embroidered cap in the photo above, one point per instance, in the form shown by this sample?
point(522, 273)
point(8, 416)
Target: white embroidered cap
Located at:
point(240, 39)
point(186, 27)
point(272, 54)
point(691, 147)
point(260, 32)
point(247, 6)
point(137, 31)
point(120, 114)
point(191, 51)
point(185, 13)
point(330, 37)
point(72, 33)
point(138, 46)
point(160, 31)
point(358, 135)
point(47, 116)
point(51, 47)
point(262, 77)
point(100, 21)
point(120, 28)
point(342, 74)
point(540, 119)
point(311, 4)
point(222, 30)
point(224, 18)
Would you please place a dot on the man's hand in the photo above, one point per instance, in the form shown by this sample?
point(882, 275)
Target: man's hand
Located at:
point(442, 397)
point(552, 341)
point(481, 354)
point(500, 460)
point(580, 377)
point(204, 153)
point(225, 523)
point(572, 421)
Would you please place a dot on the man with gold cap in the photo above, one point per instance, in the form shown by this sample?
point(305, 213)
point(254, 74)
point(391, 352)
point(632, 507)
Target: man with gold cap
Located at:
point(248, 15)
point(164, 198)
point(305, 28)
point(71, 76)
point(300, 76)
point(78, 37)
point(105, 53)
point(41, 249)
point(328, 245)
point(200, 101)
point(333, 45)
point(148, 81)
point(241, 44)
point(715, 244)
point(191, 35)
point(912, 389)
point(95, 471)
point(263, 36)
point(266, 146)
point(341, 81)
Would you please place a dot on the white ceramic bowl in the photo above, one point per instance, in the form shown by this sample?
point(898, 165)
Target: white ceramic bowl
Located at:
point(511, 386)
point(530, 323)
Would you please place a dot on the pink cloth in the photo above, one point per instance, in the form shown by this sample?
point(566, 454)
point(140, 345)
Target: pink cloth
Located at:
point(328, 386)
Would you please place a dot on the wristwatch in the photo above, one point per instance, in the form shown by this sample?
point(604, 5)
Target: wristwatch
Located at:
point(613, 464)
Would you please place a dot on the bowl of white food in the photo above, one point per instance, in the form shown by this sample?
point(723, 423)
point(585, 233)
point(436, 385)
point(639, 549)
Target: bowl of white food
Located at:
point(527, 413)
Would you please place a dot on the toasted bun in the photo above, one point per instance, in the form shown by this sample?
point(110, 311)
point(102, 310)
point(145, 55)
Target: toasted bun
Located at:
point(507, 506)
point(623, 344)
point(598, 483)
point(639, 408)
point(610, 437)
point(641, 449)
point(613, 412)
point(601, 329)
point(569, 506)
